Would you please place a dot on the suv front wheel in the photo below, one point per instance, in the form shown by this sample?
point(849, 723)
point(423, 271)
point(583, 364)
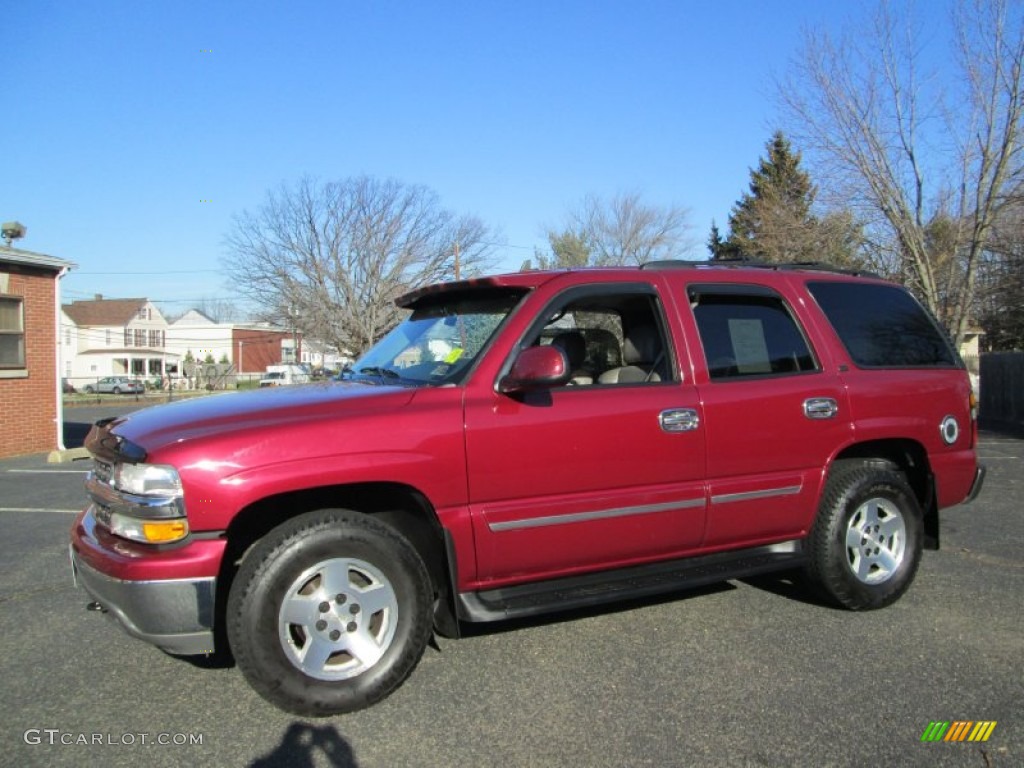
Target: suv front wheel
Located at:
point(329, 613)
point(865, 545)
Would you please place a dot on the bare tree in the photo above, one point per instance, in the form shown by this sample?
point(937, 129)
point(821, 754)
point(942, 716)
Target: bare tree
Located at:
point(929, 168)
point(217, 309)
point(622, 230)
point(330, 258)
point(1001, 285)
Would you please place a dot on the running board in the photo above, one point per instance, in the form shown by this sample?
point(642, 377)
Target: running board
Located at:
point(624, 583)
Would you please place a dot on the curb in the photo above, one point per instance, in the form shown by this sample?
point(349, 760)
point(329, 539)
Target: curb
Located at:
point(66, 456)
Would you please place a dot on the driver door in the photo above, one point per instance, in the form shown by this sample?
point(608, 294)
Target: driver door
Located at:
point(575, 478)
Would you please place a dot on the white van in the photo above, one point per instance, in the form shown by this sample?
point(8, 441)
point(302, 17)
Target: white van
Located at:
point(283, 375)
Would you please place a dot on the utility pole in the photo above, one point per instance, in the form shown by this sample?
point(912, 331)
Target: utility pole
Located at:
point(456, 259)
point(293, 311)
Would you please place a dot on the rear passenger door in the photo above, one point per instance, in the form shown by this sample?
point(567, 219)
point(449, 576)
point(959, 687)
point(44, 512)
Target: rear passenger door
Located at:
point(774, 411)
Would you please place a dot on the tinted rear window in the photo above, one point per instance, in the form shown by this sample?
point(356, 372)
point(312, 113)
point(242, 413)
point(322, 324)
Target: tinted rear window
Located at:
point(883, 326)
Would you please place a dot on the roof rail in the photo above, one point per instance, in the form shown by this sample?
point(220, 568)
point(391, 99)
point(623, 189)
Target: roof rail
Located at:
point(738, 263)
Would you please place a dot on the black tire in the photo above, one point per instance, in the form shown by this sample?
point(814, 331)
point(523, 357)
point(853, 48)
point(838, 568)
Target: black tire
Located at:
point(88, 389)
point(865, 545)
point(117, 390)
point(301, 592)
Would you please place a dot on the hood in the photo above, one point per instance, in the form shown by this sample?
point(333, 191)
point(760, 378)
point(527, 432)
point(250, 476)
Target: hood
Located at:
point(187, 421)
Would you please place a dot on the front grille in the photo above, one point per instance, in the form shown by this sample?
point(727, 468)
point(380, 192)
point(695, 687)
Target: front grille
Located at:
point(103, 471)
point(102, 515)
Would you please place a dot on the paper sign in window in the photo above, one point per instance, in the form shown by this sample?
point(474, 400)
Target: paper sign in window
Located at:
point(749, 346)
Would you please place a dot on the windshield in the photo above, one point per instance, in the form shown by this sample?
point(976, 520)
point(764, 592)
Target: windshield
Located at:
point(438, 342)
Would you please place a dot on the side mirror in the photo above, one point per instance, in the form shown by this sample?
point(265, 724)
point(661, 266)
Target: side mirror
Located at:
point(536, 368)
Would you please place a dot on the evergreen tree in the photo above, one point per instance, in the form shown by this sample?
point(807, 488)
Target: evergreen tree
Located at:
point(770, 222)
point(718, 247)
point(774, 222)
point(568, 249)
point(715, 242)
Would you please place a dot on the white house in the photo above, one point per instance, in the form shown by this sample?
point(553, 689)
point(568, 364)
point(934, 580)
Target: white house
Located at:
point(197, 334)
point(111, 337)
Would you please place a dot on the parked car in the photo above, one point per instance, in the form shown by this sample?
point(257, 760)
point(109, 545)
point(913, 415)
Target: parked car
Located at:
point(531, 443)
point(116, 385)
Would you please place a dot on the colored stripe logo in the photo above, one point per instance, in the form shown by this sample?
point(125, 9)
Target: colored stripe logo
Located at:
point(958, 730)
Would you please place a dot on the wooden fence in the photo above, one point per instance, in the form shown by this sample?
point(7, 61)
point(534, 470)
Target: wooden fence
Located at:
point(1002, 390)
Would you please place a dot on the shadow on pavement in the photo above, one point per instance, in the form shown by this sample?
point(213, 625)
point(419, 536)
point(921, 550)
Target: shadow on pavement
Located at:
point(792, 585)
point(309, 745)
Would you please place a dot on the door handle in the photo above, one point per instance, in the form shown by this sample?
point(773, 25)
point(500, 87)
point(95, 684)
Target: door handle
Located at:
point(679, 419)
point(820, 408)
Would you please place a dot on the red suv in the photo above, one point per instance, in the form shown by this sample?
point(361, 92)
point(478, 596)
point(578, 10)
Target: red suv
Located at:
point(529, 443)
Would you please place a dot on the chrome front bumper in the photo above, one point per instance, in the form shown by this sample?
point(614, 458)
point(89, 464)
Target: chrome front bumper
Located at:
point(176, 616)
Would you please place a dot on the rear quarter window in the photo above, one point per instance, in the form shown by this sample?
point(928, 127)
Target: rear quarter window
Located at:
point(883, 326)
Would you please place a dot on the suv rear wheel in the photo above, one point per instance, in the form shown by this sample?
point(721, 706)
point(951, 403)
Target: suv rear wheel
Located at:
point(866, 542)
point(329, 613)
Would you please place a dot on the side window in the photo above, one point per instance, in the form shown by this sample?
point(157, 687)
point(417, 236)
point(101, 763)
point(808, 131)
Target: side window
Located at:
point(749, 335)
point(609, 338)
point(883, 326)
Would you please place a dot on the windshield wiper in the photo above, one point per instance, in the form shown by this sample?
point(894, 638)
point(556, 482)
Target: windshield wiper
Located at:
point(375, 370)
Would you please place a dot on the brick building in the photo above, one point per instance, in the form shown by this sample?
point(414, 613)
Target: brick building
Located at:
point(30, 389)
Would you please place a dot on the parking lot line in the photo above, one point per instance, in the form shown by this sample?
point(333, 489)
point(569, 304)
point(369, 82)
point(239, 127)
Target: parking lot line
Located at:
point(40, 509)
point(49, 471)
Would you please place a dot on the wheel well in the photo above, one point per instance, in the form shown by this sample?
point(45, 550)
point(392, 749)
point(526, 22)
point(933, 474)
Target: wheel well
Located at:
point(910, 458)
point(401, 506)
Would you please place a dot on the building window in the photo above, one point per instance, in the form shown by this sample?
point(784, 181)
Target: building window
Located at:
point(127, 337)
point(154, 339)
point(12, 332)
point(140, 337)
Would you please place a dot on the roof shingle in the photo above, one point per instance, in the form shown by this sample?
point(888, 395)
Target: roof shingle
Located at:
point(117, 312)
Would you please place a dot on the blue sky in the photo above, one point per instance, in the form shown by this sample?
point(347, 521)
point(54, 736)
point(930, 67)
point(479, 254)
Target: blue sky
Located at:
point(133, 131)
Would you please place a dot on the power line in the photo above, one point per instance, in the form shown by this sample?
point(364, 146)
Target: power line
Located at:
point(508, 245)
point(164, 272)
point(196, 299)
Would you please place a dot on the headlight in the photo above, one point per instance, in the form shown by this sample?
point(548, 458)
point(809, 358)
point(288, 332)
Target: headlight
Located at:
point(147, 479)
point(139, 502)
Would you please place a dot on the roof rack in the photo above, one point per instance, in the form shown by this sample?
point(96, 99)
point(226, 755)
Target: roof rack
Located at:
point(738, 263)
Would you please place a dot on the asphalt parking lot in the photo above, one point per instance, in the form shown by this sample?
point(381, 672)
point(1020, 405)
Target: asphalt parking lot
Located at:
point(746, 673)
